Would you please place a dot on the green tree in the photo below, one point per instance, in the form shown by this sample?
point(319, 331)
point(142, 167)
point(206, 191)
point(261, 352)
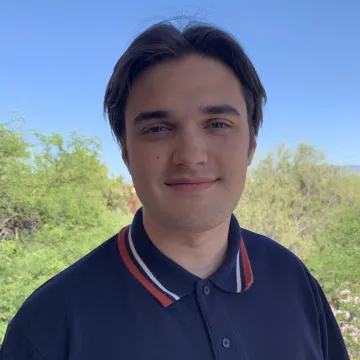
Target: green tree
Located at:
point(58, 202)
point(335, 261)
point(336, 258)
point(290, 195)
point(15, 179)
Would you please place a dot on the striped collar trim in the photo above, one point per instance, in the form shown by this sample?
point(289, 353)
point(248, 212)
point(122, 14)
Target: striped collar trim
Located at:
point(138, 268)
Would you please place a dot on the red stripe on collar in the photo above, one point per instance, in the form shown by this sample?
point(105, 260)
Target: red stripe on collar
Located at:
point(163, 299)
point(248, 274)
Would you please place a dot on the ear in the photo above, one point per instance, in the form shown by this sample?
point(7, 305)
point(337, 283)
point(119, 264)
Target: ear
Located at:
point(252, 150)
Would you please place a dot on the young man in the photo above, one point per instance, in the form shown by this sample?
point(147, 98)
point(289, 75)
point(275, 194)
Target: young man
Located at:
point(184, 281)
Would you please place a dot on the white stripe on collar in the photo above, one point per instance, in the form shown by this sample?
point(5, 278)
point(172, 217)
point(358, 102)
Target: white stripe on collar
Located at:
point(238, 277)
point(146, 269)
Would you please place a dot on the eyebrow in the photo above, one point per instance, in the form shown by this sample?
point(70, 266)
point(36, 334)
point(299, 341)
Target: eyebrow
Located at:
point(158, 114)
point(220, 109)
point(208, 110)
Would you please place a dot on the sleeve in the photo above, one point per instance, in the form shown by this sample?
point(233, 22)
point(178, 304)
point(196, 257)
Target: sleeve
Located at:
point(332, 341)
point(16, 346)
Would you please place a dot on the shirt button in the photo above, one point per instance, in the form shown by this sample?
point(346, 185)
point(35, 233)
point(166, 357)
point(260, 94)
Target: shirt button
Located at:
point(207, 290)
point(226, 343)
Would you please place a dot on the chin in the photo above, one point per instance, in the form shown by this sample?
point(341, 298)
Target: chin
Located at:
point(195, 220)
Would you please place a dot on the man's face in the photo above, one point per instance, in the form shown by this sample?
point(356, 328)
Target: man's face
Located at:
point(187, 141)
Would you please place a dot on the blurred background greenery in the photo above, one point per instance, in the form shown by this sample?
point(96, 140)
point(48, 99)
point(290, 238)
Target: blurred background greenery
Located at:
point(58, 201)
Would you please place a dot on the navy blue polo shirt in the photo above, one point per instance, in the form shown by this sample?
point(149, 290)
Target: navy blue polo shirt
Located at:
point(126, 300)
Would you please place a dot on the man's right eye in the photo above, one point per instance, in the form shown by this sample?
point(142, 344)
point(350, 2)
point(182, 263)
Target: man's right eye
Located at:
point(156, 129)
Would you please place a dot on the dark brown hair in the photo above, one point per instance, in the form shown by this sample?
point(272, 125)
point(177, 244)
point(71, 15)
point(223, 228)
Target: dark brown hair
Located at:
point(163, 42)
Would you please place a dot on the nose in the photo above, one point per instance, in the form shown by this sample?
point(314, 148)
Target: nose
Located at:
point(190, 149)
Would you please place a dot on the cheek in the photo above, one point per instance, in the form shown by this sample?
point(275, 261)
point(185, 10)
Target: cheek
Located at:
point(144, 163)
point(235, 158)
point(236, 146)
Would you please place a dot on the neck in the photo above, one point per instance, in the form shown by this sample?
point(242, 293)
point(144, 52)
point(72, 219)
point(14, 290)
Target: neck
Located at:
point(199, 253)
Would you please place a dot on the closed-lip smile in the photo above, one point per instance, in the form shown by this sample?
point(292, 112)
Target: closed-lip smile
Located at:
point(192, 184)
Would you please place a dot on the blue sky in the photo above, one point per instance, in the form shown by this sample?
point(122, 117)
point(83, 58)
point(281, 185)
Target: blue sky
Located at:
point(57, 56)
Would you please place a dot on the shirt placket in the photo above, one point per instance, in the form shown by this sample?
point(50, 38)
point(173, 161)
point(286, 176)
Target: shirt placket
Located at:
point(223, 339)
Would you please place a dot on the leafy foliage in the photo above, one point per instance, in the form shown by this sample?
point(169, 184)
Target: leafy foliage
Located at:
point(53, 182)
point(337, 255)
point(58, 202)
point(290, 196)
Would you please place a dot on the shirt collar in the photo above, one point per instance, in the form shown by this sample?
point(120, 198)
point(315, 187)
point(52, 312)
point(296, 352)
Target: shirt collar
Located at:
point(166, 280)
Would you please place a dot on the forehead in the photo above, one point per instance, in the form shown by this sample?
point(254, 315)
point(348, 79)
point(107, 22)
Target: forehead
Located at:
point(183, 85)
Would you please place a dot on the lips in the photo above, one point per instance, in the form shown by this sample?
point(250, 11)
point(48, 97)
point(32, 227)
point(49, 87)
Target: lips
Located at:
point(190, 181)
point(191, 185)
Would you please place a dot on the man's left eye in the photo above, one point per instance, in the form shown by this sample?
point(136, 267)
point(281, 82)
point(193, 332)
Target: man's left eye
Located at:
point(219, 125)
